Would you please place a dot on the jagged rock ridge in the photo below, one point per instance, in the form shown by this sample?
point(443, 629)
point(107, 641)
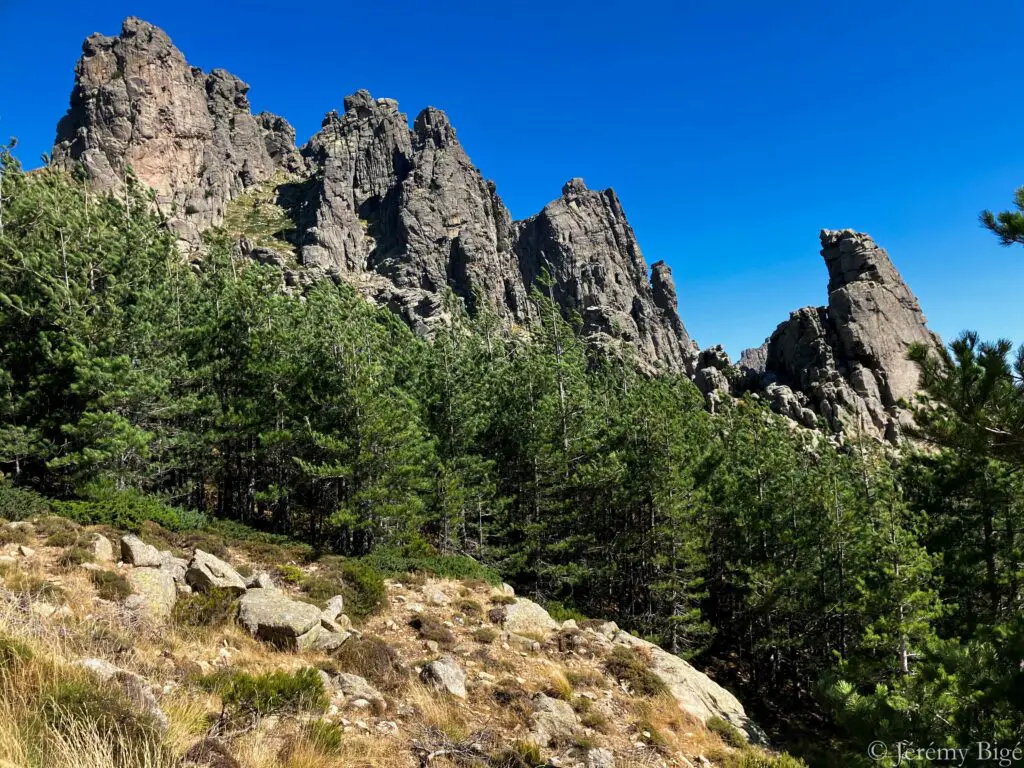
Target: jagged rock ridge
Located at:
point(402, 213)
point(846, 362)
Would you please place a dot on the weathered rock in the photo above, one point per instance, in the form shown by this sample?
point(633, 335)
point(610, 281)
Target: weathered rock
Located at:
point(187, 134)
point(445, 674)
point(696, 693)
point(327, 640)
point(205, 572)
point(334, 607)
point(134, 687)
point(101, 548)
point(356, 689)
point(525, 617)
point(599, 758)
point(434, 594)
point(276, 619)
point(261, 580)
point(135, 551)
point(26, 551)
point(155, 590)
point(586, 245)
point(175, 566)
point(553, 722)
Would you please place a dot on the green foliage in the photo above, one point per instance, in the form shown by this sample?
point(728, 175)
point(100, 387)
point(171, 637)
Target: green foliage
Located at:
point(126, 510)
point(361, 586)
point(373, 659)
point(275, 692)
point(212, 608)
point(13, 652)
point(74, 557)
point(65, 538)
point(110, 585)
point(561, 612)
point(326, 737)
point(627, 666)
point(1008, 226)
point(22, 503)
point(78, 702)
point(486, 635)
point(454, 567)
point(726, 731)
point(522, 754)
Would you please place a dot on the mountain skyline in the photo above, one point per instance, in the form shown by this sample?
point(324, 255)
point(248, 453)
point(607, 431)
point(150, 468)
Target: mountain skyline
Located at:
point(677, 169)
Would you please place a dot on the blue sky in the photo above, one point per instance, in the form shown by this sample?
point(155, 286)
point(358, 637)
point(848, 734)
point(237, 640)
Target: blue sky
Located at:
point(732, 131)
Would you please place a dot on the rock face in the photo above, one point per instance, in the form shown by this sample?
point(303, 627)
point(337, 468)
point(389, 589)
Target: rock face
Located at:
point(155, 591)
point(401, 213)
point(695, 692)
point(206, 572)
point(846, 363)
point(276, 619)
point(187, 134)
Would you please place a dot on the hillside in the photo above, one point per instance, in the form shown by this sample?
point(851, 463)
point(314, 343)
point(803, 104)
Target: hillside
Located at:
point(115, 653)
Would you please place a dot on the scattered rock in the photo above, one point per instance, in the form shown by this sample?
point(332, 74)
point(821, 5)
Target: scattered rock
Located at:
point(25, 551)
point(101, 548)
point(155, 591)
point(207, 571)
point(554, 721)
point(135, 551)
point(279, 620)
point(334, 608)
point(599, 758)
point(135, 688)
point(356, 689)
point(175, 566)
point(445, 674)
point(435, 595)
point(261, 580)
point(525, 617)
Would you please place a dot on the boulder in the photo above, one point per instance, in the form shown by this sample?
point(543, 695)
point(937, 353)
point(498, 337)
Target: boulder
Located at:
point(334, 608)
point(134, 687)
point(279, 620)
point(155, 592)
point(101, 548)
point(206, 572)
point(525, 617)
point(696, 693)
point(446, 675)
point(135, 551)
point(599, 758)
point(359, 693)
point(553, 722)
point(259, 580)
point(175, 566)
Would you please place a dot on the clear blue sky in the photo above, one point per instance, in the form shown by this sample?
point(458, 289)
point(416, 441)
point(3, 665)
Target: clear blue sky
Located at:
point(732, 131)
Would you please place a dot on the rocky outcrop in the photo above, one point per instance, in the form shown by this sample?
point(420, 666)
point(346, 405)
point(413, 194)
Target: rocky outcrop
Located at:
point(274, 618)
point(187, 134)
point(845, 364)
point(401, 213)
point(206, 572)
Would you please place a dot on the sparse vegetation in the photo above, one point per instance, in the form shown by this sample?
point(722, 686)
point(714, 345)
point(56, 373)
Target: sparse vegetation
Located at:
point(373, 659)
point(429, 628)
point(277, 692)
point(486, 635)
point(110, 585)
point(726, 731)
point(212, 608)
point(625, 665)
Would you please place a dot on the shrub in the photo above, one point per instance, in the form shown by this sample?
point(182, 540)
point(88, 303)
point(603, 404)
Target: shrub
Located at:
point(13, 652)
point(72, 703)
point(127, 510)
point(595, 719)
point(585, 678)
point(726, 731)
point(362, 587)
point(627, 666)
point(325, 736)
point(373, 659)
point(430, 628)
point(62, 538)
point(289, 574)
point(14, 535)
point(651, 735)
point(486, 635)
point(110, 585)
point(470, 608)
point(521, 755)
point(454, 567)
point(275, 692)
point(213, 608)
point(74, 557)
point(561, 612)
point(22, 503)
point(498, 599)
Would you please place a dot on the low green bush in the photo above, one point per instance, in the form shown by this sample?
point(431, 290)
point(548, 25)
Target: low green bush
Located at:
point(57, 526)
point(62, 538)
point(212, 608)
point(74, 557)
point(275, 692)
point(522, 754)
point(133, 738)
point(372, 658)
point(326, 737)
point(127, 510)
point(486, 635)
point(14, 535)
point(726, 731)
point(627, 666)
point(110, 585)
point(362, 587)
point(455, 567)
point(561, 612)
point(22, 503)
point(430, 628)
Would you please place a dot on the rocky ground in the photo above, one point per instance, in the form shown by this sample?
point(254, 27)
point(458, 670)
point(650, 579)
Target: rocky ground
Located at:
point(117, 652)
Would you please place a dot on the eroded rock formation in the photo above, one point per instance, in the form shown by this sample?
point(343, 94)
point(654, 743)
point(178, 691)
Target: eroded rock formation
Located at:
point(846, 362)
point(400, 212)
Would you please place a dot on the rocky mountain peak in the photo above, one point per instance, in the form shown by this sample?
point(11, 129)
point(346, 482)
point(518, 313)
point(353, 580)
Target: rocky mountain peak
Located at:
point(432, 126)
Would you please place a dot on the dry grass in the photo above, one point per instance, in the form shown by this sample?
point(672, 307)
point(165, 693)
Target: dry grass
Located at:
point(437, 711)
